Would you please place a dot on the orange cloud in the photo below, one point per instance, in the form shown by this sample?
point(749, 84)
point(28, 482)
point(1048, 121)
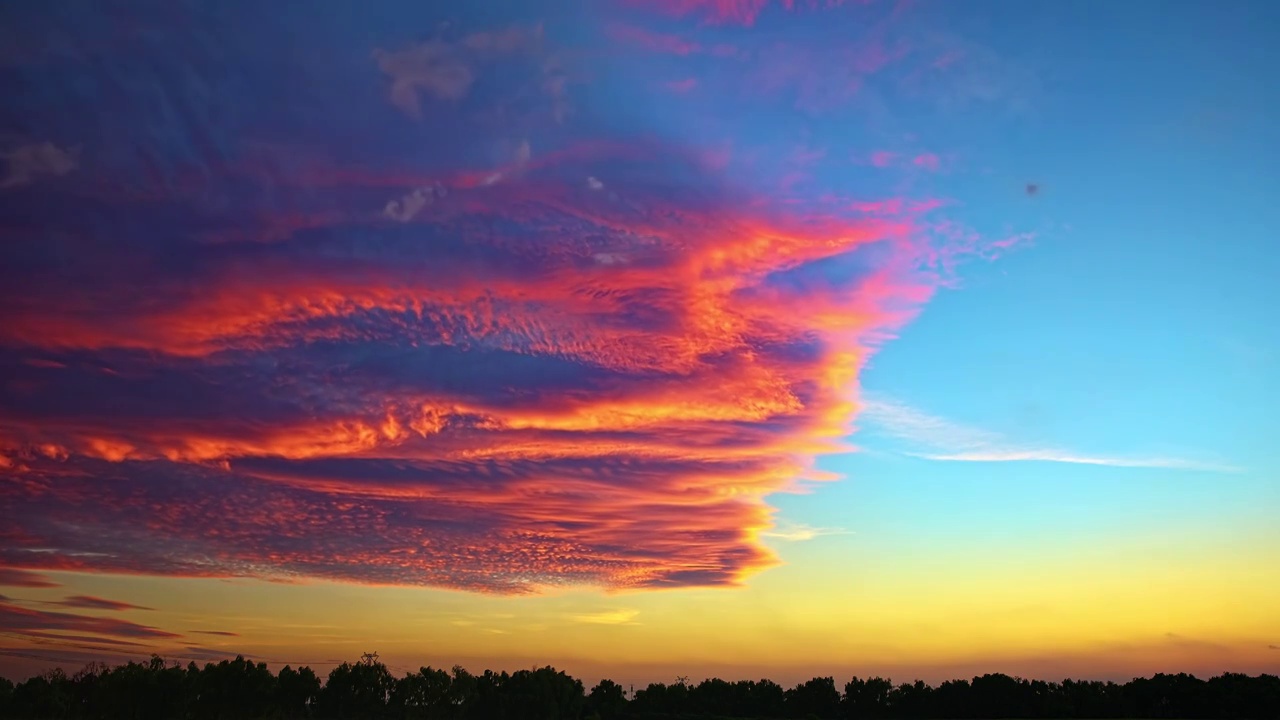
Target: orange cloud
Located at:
point(471, 352)
point(615, 422)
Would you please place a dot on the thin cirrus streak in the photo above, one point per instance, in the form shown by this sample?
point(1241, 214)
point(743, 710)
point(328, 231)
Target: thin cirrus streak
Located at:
point(37, 622)
point(936, 438)
point(557, 349)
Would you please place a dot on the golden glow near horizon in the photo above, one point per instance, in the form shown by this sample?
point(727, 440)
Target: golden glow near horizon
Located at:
point(1108, 610)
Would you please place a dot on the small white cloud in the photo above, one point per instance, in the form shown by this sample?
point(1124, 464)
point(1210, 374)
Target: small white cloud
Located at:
point(609, 258)
point(523, 153)
point(446, 70)
point(594, 184)
point(432, 68)
point(28, 162)
point(406, 208)
point(940, 439)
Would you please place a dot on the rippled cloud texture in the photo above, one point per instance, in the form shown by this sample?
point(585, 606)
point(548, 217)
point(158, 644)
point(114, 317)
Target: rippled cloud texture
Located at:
point(406, 301)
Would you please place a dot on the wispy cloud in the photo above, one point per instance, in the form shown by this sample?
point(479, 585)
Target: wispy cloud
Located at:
point(621, 616)
point(935, 438)
point(22, 620)
point(28, 162)
point(801, 533)
point(90, 602)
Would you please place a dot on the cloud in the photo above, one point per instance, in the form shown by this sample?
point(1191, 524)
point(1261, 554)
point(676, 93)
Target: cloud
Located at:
point(739, 12)
point(26, 621)
point(802, 533)
point(96, 603)
point(408, 207)
point(14, 577)
point(928, 161)
point(614, 423)
point(26, 163)
point(682, 86)
point(223, 633)
point(652, 41)
point(444, 71)
point(75, 640)
point(882, 158)
point(442, 353)
point(935, 438)
point(621, 616)
point(1273, 647)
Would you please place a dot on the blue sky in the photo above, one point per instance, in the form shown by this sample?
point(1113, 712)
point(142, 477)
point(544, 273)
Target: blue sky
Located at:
point(1140, 325)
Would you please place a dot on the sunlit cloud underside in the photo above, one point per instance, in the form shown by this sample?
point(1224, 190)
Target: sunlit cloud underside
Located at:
point(554, 350)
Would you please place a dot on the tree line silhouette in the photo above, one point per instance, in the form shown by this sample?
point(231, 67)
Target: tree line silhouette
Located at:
point(244, 690)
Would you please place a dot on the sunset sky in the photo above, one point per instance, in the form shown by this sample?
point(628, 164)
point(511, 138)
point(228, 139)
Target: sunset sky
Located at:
point(642, 338)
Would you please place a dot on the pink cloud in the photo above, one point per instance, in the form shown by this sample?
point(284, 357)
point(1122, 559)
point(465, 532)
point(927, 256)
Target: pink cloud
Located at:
point(614, 360)
point(583, 364)
point(652, 41)
point(682, 86)
point(947, 59)
point(740, 12)
point(928, 161)
point(883, 158)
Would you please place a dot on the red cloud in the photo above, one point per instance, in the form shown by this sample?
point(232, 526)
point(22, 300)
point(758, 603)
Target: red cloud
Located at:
point(613, 391)
point(463, 351)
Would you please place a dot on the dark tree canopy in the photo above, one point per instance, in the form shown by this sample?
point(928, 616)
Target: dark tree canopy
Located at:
point(243, 689)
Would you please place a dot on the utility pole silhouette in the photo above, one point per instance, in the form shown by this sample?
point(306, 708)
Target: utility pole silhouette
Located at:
point(369, 658)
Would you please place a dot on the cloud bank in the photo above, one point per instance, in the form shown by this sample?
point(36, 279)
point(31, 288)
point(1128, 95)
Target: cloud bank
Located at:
point(490, 344)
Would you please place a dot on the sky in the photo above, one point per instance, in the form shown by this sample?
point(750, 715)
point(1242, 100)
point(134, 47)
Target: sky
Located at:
point(643, 338)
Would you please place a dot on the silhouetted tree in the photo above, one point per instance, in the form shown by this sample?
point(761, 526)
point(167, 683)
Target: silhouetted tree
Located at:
point(297, 692)
point(424, 694)
point(769, 698)
point(360, 690)
point(910, 700)
point(243, 689)
point(6, 698)
point(866, 698)
point(815, 698)
point(607, 700)
point(234, 689)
